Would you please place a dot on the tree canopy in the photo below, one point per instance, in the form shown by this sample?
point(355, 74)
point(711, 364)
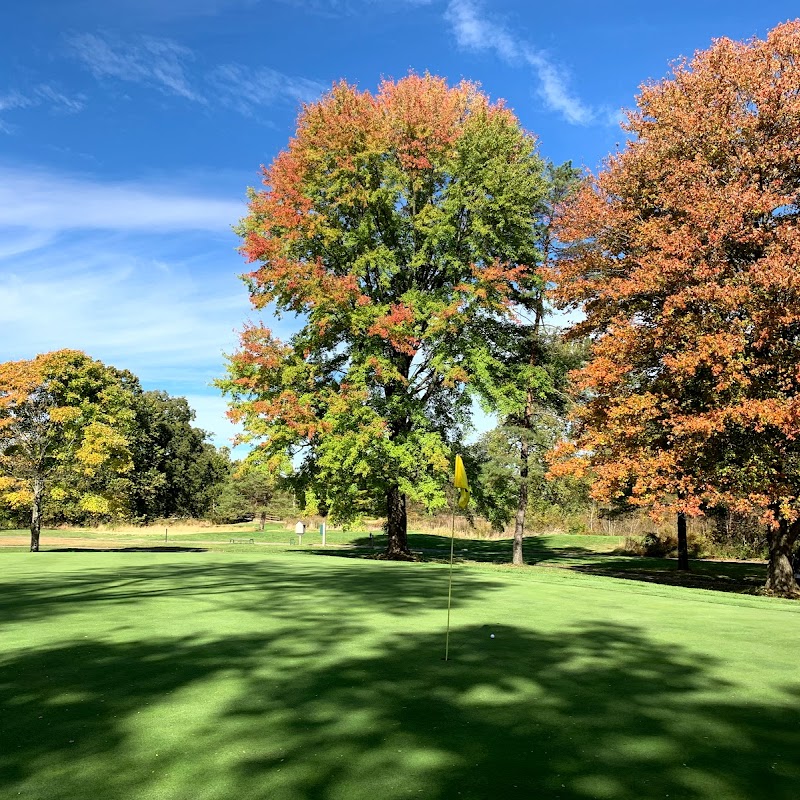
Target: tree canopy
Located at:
point(64, 420)
point(80, 441)
point(177, 471)
point(394, 225)
point(686, 262)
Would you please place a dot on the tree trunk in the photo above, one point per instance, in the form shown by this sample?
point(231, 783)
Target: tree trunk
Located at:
point(517, 557)
point(36, 513)
point(683, 543)
point(780, 576)
point(522, 506)
point(396, 526)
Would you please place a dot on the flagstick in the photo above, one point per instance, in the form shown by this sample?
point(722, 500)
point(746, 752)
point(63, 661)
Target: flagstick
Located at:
point(450, 587)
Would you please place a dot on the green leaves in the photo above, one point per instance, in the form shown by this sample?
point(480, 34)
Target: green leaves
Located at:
point(398, 225)
point(65, 420)
point(102, 447)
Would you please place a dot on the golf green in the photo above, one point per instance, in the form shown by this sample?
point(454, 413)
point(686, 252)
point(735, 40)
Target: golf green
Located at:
point(293, 676)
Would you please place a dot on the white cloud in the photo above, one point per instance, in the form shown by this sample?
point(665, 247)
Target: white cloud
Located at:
point(45, 94)
point(47, 202)
point(17, 243)
point(93, 292)
point(41, 95)
point(473, 31)
point(245, 89)
point(14, 99)
point(150, 61)
point(163, 64)
point(210, 416)
point(134, 276)
point(100, 296)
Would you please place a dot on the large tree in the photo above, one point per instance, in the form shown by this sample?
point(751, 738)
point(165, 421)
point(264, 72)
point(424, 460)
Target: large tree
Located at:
point(64, 425)
point(687, 265)
point(393, 224)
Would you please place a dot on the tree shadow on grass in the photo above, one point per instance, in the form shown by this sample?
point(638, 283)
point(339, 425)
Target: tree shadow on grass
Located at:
point(738, 577)
point(151, 549)
point(590, 712)
point(284, 590)
point(721, 576)
point(492, 551)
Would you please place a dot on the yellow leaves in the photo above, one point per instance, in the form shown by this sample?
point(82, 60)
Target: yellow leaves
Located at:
point(65, 414)
point(456, 375)
point(95, 504)
point(8, 483)
point(102, 446)
point(18, 498)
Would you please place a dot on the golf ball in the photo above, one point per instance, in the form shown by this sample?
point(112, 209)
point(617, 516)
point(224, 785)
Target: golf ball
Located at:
point(491, 636)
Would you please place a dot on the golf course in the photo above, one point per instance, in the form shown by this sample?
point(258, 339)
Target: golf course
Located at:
point(399, 400)
point(291, 673)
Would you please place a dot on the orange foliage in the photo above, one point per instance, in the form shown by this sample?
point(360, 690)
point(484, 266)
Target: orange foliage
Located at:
point(685, 258)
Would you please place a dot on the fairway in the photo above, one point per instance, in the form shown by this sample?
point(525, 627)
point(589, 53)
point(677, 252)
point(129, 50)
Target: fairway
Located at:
point(292, 676)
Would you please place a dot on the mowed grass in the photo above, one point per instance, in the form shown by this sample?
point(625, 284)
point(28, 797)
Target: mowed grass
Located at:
point(290, 676)
point(583, 553)
point(595, 554)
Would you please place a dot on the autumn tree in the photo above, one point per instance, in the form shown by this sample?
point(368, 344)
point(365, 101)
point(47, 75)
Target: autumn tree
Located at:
point(64, 419)
point(686, 262)
point(392, 225)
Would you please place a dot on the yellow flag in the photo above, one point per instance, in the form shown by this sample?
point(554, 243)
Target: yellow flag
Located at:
point(461, 483)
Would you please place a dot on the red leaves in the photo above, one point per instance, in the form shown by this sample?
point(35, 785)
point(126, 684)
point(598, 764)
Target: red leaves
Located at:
point(397, 327)
point(367, 229)
point(685, 259)
point(260, 348)
point(420, 118)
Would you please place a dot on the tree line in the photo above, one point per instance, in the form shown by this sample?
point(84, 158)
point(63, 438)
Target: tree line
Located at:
point(81, 442)
point(421, 241)
point(420, 238)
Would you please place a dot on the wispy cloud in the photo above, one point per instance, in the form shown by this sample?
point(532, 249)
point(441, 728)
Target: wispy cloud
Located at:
point(41, 201)
point(473, 31)
point(45, 94)
point(170, 67)
point(137, 277)
point(168, 327)
point(41, 95)
point(245, 90)
point(150, 61)
point(12, 100)
point(121, 305)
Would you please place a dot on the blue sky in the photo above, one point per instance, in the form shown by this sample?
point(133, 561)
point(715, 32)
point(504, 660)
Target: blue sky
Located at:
point(129, 130)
